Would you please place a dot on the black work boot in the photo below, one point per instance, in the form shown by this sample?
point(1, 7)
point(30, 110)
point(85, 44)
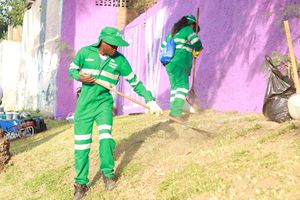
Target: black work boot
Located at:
point(80, 191)
point(109, 183)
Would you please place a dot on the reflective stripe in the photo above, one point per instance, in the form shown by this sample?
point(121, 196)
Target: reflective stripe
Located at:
point(180, 40)
point(82, 146)
point(134, 83)
point(183, 47)
point(194, 40)
point(109, 75)
point(106, 83)
point(161, 48)
point(73, 66)
point(104, 126)
point(112, 60)
point(172, 98)
point(173, 91)
point(113, 64)
point(83, 137)
point(165, 43)
point(180, 96)
point(190, 36)
point(105, 136)
point(130, 76)
point(91, 71)
point(182, 90)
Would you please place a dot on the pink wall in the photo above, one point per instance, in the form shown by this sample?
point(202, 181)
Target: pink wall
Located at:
point(236, 35)
point(82, 22)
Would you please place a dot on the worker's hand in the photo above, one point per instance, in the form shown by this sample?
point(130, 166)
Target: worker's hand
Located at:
point(196, 53)
point(86, 78)
point(154, 108)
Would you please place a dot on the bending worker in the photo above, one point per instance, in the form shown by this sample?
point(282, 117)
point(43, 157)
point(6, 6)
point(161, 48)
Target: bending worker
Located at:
point(188, 45)
point(100, 61)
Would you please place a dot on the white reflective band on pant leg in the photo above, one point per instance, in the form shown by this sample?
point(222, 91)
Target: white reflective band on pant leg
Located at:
point(104, 127)
point(83, 137)
point(180, 96)
point(105, 136)
point(182, 90)
point(82, 146)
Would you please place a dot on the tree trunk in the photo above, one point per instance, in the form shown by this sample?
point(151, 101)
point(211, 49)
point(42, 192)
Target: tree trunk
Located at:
point(4, 150)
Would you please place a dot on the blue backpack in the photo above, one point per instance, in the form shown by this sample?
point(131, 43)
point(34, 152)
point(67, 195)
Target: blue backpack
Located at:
point(168, 52)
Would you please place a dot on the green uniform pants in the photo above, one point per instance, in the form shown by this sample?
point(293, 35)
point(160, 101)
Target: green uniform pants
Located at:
point(179, 81)
point(89, 110)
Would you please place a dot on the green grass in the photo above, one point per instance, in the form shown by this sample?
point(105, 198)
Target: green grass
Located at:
point(192, 180)
point(274, 135)
point(247, 157)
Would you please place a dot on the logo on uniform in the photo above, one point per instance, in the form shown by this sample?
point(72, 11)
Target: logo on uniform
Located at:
point(89, 59)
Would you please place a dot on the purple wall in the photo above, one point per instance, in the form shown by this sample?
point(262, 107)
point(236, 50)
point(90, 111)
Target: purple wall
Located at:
point(82, 22)
point(236, 35)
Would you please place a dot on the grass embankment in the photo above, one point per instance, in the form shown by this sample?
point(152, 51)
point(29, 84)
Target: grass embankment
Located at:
point(234, 157)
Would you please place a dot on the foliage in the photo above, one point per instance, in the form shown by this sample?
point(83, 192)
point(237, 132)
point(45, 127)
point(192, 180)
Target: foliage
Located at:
point(280, 61)
point(289, 12)
point(11, 13)
point(141, 5)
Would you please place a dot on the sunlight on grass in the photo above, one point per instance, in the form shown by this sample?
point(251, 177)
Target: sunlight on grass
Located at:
point(192, 180)
point(273, 136)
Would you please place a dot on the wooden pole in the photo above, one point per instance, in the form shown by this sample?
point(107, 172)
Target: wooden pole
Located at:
point(292, 55)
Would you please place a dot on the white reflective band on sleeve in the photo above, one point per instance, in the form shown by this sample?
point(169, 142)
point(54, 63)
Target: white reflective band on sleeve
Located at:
point(165, 43)
point(194, 40)
point(180, 96)
point(130, 76)
point(73, 66)
point(91, 71)
point(83, 137)
point(82, 146)
point(104, 127)
point(182, 90)
point(183, 47)
point(109, 75)
point(190, 36)
point(172, 98)
point(173, 91)
point(105, 136)
point(135, 82)
point(180, 40)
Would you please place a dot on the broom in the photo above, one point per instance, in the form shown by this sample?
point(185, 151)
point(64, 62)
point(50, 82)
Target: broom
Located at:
point(192, 97)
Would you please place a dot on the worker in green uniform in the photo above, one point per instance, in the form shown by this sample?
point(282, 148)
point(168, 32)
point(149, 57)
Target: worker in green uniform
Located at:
point(188, 45)
point(100, 61)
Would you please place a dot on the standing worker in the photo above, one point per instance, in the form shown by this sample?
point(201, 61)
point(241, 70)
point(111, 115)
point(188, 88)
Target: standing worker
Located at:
point(100, 61)
point(188, 45)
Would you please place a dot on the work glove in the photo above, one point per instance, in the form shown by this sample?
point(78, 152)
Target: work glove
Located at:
point(196, 53)
point(154, 108)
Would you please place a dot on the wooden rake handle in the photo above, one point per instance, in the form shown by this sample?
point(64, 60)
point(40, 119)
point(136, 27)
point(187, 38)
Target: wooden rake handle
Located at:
point(194, 59)
point(135, 101)
point(292, 55)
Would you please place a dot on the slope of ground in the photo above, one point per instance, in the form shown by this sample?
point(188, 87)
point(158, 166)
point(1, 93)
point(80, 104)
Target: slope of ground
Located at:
point(233, 156)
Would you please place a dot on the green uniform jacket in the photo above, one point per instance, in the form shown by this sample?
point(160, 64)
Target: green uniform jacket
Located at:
point(87, 61)
point(186, 40)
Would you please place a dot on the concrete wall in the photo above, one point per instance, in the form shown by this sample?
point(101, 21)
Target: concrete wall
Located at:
point(10, 52)
point(82, 22)
point(236, 35)
point(40, 57)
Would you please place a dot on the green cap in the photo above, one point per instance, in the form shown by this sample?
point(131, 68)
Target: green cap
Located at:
point(112, 36)
point(191, 19)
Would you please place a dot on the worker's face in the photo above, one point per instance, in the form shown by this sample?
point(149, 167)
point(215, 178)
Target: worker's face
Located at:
point(108, 49)
point(193, 26)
